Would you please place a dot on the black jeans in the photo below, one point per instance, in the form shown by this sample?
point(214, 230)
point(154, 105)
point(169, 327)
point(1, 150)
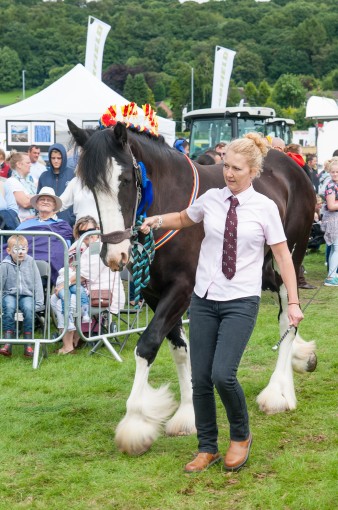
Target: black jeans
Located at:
point(219, 333)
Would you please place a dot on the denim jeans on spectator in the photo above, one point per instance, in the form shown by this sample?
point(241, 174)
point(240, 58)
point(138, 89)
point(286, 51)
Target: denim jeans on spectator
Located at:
point(72, 290)
point(9, 308)
point(333, 259)
point(219, 333)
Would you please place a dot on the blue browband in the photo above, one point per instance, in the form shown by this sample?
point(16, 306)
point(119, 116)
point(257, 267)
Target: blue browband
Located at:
point(147, 196)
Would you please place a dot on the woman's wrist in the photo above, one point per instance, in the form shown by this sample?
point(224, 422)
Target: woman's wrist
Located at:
point(294, 303)
point(158, 223)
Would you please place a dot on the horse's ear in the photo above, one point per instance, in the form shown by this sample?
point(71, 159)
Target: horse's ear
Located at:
point(80, 135)
point(120, 132)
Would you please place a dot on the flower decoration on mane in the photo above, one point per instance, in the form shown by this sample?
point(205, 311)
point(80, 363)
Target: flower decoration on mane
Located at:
point(129, 116)
point(108, 119)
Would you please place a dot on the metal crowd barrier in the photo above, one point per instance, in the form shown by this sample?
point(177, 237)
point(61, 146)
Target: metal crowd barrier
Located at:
point(111, 323)
point(43, 332)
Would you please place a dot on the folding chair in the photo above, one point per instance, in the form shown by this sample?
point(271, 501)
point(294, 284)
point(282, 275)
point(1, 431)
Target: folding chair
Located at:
point(108, 322)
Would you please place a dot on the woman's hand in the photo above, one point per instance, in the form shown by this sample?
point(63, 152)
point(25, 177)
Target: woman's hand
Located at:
point(149, 223)
point(57, 289)
point(295, 314)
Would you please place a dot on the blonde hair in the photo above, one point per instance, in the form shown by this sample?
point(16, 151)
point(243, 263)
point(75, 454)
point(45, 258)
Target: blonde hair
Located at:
point(16, 158)
point(16, 239)
point(332, 162)
point(253, 147)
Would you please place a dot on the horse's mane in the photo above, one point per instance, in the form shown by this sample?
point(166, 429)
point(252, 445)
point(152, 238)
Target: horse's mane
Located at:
point(102, 144)
point(144, 142)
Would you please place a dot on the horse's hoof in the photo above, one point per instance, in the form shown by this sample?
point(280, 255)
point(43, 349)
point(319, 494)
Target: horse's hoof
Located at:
point(312, 363)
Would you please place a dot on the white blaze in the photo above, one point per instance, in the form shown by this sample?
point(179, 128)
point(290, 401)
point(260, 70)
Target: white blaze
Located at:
point(111, 214)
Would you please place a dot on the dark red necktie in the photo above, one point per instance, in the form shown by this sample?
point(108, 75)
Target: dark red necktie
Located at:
point(230, 241)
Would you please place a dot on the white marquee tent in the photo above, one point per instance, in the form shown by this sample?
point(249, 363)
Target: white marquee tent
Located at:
point(322, 108)
point(325, 110)
point(78, 96)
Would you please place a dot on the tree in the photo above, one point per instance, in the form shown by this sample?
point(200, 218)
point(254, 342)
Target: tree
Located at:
point(251, 93)
point(159, 91)
point(162, 113)
point(264, 92)
point(129, 88)
point(178, 99)
point(55, 74)
point(310, 36)
point(11, 65)
point(288, 91)
point(234, 95)
point(248, 66)
point(137, 90)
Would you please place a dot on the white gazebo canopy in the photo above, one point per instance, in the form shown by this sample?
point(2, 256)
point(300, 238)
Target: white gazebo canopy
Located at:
point(78, 96)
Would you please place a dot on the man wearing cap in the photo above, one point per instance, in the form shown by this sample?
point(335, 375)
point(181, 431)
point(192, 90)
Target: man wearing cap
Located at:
point(58, 176)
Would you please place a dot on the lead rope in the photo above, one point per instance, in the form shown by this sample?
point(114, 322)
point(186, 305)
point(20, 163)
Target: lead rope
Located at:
point(142, 257)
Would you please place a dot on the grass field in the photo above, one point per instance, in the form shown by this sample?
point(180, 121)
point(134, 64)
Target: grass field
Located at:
point(7, 98)
point(57, 430)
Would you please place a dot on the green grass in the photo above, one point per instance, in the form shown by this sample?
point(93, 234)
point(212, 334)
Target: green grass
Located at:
point(57, 430)
point(7, 98)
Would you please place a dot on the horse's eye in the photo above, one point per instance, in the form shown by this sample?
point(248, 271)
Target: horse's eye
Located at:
point(125, 182)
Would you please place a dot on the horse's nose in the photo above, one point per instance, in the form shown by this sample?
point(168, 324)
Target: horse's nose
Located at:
point(115, 256)
point(124, 258)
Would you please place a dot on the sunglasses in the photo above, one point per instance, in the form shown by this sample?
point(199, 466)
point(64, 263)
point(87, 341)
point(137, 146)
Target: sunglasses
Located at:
point(81, 232)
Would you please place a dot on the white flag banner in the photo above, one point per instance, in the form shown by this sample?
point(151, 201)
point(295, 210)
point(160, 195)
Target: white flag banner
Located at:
point(224, 60)
point(96, 37)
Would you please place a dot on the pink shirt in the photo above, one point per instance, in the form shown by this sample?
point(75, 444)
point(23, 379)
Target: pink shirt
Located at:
point(258, 223)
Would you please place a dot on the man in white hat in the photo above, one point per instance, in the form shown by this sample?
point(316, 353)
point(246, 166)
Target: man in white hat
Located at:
point(46, 203)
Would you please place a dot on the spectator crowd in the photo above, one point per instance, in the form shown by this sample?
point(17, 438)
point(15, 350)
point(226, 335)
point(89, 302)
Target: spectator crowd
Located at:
point(46, 197)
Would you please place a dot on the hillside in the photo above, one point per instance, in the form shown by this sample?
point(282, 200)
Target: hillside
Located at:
point(163, 39)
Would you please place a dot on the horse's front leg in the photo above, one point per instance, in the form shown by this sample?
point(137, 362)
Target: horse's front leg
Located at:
point(183, 421)
point(148, 409)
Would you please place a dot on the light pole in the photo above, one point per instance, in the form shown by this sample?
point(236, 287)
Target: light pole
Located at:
point(192, 88)
point(23, 84)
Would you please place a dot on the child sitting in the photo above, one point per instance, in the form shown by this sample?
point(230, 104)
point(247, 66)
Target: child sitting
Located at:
point(21, 288)
point(72, 290)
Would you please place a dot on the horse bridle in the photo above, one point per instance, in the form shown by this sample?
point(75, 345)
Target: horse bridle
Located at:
point(120, 235)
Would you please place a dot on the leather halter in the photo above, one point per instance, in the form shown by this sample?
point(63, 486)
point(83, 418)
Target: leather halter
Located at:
point(121, 235)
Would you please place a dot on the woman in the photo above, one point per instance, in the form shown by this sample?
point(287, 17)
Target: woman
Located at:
point(80, 198)
point(5, 169)
point(22, 185)
point(51, 249)
point(94, 274)
point(330, 222)
point(225, 301)
point(9, 218)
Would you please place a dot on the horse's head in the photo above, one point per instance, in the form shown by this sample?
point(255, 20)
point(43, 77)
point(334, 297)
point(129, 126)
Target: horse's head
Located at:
point(108, 168)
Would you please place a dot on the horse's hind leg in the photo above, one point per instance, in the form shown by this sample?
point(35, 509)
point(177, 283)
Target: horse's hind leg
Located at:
point(183, 421)
point(279, 395)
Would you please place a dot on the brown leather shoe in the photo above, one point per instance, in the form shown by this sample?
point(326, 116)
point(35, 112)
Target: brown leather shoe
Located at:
point(237, 454)
point(203, 461)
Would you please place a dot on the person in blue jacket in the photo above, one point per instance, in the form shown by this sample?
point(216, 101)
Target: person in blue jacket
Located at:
point(57, 177)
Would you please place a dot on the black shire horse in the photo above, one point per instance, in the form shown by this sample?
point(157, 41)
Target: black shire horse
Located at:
point(108, 168)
